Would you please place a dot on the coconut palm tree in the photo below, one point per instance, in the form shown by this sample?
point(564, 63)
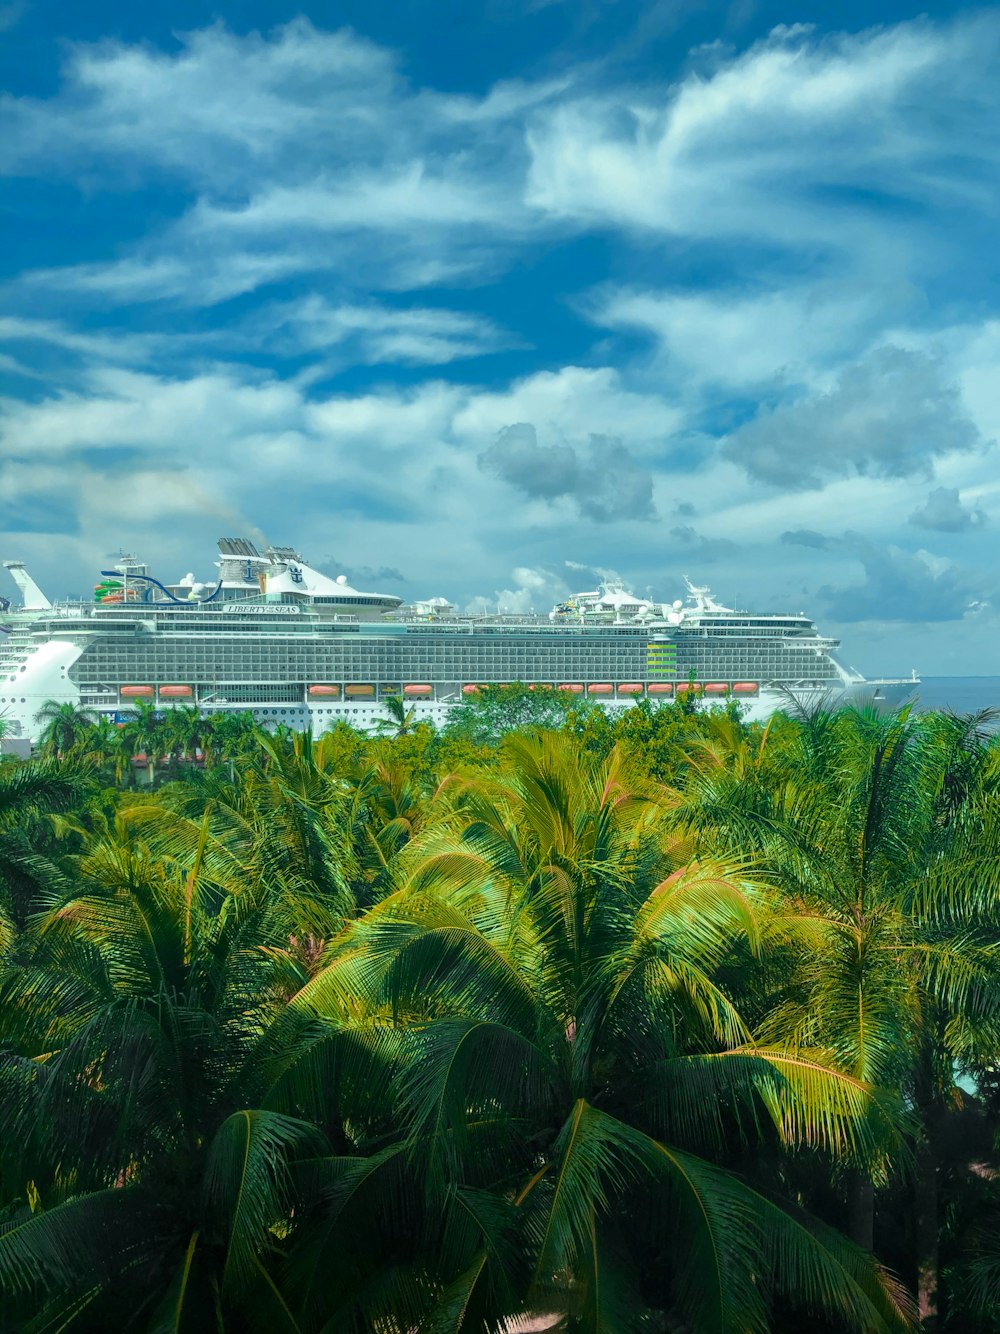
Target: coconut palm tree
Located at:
point(146, 734)
point(881, 835)
point(63, 726)
point(103, 744)
point(230, 737)
point(288, 818)
point(399, 716)
point(147, 1190)
point(31, 791)
point(571, 1076)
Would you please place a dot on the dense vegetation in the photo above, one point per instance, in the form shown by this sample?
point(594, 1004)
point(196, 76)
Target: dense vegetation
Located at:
point(662, 1023)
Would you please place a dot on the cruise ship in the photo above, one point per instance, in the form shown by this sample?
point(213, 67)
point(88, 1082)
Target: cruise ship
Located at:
point(276, 637)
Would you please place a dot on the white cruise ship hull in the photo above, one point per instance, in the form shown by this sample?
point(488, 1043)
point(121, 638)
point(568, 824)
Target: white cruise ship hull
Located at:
point(292, 647)
point(46, 678)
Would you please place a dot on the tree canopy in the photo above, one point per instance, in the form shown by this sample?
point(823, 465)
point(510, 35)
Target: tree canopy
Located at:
point(655, 1022)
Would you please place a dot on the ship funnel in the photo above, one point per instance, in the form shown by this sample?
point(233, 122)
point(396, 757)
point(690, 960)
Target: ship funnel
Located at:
point(33, 597)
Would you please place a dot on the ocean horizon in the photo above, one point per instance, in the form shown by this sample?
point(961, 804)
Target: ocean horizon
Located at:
point(958, 694)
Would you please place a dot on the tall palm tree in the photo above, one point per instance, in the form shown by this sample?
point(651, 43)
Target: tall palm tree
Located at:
point(572, 1073)
point(399, 716)
point(146, 733)
point(184, 730)
point(885, 855)
point(155, 1193)
point(291, 820)
point(230, 737)
point(31, 791)
point(64, 725)
point(103, 745)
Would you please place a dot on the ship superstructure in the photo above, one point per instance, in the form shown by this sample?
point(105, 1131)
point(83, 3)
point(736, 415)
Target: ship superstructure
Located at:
point(272, 635)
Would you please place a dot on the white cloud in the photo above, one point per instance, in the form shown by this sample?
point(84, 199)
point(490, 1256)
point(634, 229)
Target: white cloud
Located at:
point(788, 143)
point(225, 105)
point(302, 146)
point(534, 590)
point(772, 218)
point(378, 462)
point(743, 338)
point(187, 276)
point(376, 334)
point(371, 200)
point(220, 104)
point(890, 415)
point(127, 408)
point(573, 402)
point(297, 144)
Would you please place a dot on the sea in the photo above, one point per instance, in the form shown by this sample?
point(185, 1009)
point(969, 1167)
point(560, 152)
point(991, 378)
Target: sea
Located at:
point(958, 694)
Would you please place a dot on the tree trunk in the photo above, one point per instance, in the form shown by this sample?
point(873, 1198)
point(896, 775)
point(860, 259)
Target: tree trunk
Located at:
point(925, 1201)
point(862, 1201)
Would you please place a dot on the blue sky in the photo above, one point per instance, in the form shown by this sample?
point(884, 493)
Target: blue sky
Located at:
point(481, 300)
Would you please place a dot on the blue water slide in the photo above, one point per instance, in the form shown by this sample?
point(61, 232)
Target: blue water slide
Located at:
point(148, 579)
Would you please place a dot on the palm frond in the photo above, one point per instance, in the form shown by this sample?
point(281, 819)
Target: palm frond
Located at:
point(246, 1178)
point(698, 1098)
point(464, 1069)
point(57, 1256)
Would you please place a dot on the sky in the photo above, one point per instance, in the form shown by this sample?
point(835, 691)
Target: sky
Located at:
point(487, 301)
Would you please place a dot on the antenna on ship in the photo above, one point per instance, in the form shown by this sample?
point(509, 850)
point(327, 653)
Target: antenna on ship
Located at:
point(123, 562)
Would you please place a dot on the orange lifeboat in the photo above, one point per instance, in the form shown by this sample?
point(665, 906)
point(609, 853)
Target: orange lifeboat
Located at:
point(324, 692)
point(688, 688)
point(136, 692)
point(600, 690)
point(539, 685)
point(571, 688)
point(418, 690)
point(745, 688)
point(471, 690)
point(660, 688)
point(356, 692)
point(175, 692)
point(716, 688)
point(630, 688)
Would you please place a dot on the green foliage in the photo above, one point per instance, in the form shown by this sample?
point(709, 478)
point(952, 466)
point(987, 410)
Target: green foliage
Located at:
point(495, 710)
point(627, 1018)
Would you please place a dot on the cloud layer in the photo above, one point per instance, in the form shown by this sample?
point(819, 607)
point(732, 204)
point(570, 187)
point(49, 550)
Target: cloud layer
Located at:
point(890, 415)
point(465, 327)
point(602, 479)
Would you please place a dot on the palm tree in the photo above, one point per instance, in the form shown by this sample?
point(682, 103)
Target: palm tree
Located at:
point(291, 820)
point(31, 792)
point(186, 729)
point(545, 987)
point(230, 737)
point(884, 851)
point(400, 717)
point(102, 745)
point(390, 806)
point(147, 733)
point(149, 1189)
point(64, 725)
